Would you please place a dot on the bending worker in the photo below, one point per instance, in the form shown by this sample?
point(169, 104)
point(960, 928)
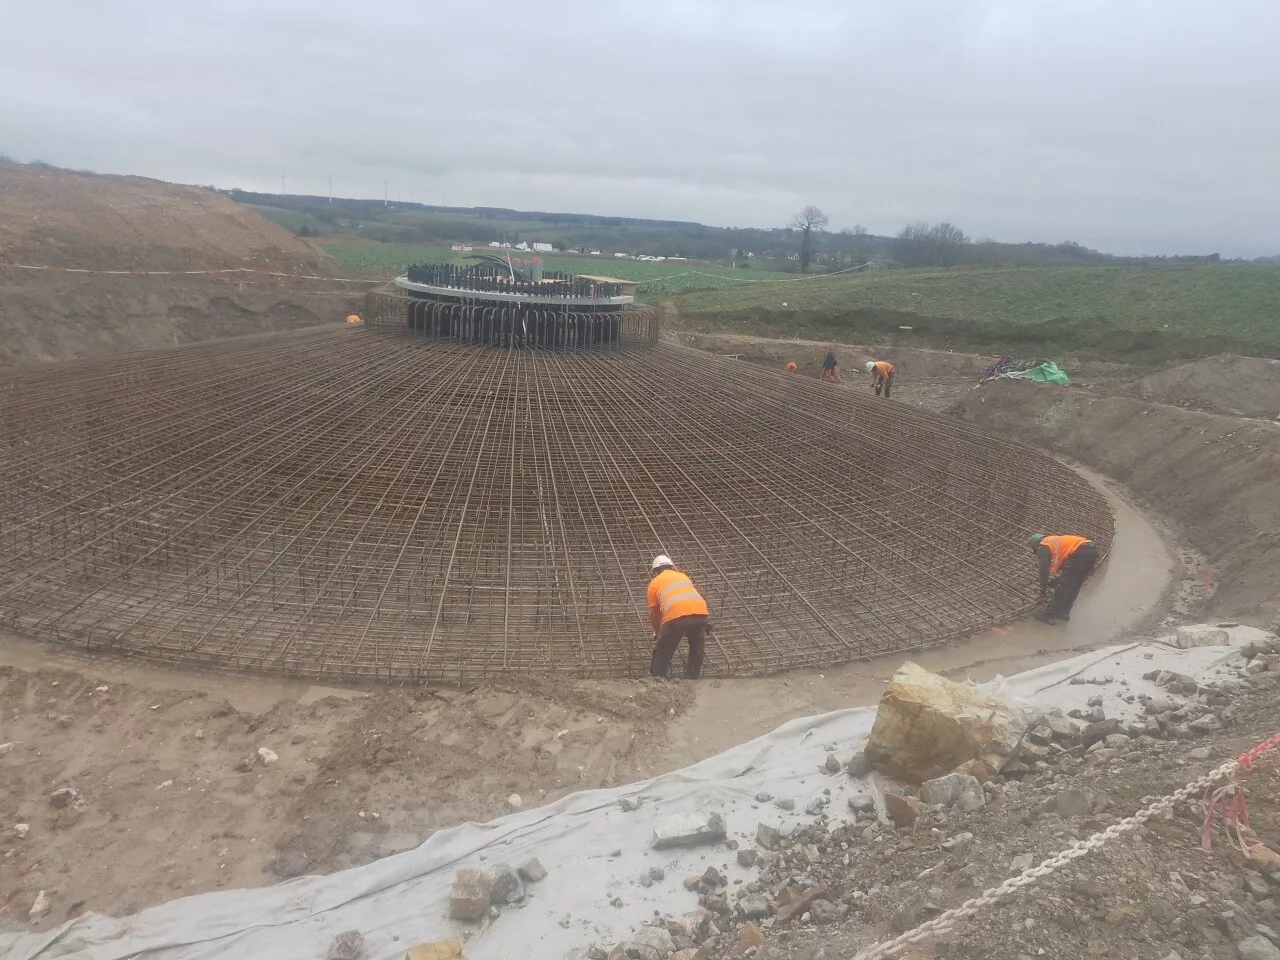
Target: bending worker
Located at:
point(831, 369)
point(1069, 558)
point(881, 376)
point(676, 611)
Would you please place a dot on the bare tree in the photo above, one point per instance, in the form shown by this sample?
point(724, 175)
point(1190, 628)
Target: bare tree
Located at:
point(807, 221)
point(921, 245)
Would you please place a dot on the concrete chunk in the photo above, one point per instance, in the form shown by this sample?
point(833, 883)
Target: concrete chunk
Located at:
point(688, 830)
point(471, 891)
point(1201, 635)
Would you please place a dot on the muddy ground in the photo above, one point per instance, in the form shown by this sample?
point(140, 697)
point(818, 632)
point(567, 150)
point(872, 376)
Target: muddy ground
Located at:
point(173, 796)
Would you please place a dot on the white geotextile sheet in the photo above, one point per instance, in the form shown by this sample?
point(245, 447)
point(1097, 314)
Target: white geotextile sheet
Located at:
point(402, 900)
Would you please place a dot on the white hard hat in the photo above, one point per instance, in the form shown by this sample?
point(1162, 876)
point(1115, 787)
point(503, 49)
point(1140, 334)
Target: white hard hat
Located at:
point(871, 365)
point(661, 560)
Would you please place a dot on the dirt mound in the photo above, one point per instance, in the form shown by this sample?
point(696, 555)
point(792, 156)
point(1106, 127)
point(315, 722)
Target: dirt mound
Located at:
point(1214, 475)
point(59, 218)
point(1246, 386)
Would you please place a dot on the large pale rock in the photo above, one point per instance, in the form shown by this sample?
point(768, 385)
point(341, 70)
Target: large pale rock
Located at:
point(927, 726)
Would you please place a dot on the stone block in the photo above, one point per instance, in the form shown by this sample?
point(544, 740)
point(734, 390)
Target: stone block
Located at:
point(471, 891)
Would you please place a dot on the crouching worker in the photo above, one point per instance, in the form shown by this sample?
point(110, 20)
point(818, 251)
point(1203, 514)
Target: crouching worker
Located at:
point(830, 369)
point(881, 376)
point(677, 612)
point(1069, 558)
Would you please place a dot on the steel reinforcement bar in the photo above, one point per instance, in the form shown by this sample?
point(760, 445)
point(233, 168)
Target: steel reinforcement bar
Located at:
point(350, 504)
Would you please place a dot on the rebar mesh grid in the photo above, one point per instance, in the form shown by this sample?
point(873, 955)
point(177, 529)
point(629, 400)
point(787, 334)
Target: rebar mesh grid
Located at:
point(347, 504)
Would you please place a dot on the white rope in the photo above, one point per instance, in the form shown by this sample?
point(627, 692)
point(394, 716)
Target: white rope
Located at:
point(1029, 876)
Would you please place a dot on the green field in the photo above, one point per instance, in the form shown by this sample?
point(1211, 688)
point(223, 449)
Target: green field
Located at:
point(651, 278)
point(1185, 310)
point(289, 219)
point(1154, 311)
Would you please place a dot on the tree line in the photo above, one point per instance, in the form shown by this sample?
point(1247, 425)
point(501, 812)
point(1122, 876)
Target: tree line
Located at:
point(936, 245)
point(804, 244)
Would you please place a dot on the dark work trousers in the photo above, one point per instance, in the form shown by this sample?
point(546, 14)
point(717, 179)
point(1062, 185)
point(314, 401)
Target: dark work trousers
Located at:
point(886, 384)
point(1070, 578)
point(694, 629)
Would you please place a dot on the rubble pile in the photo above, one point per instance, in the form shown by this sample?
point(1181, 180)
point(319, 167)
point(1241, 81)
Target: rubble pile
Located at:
point(846, 879)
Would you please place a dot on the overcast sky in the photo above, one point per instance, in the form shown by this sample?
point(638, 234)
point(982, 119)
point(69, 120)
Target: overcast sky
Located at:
point(1133, 126)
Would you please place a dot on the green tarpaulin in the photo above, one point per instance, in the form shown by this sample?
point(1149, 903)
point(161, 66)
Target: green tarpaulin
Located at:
point(1048, 372)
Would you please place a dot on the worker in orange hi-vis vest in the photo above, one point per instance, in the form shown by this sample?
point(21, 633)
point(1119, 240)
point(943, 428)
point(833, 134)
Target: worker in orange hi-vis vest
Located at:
point(1068, 558)
point(881, 376)
point(676, 612)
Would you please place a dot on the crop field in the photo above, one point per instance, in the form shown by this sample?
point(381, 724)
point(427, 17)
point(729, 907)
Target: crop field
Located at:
point(1236, 306)
point(289, 219)
point(1157, 310)
point(652, 278)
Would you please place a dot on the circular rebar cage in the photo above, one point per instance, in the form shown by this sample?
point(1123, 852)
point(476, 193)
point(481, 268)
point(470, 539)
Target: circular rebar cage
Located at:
point(349, 505)
point(520, 321)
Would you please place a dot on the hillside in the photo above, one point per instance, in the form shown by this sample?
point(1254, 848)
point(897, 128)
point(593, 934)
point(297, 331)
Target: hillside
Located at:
point(1173, 311)
point(68, 219)
point(60, 218)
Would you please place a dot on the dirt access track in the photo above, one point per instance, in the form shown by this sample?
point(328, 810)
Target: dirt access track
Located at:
point(58, 218)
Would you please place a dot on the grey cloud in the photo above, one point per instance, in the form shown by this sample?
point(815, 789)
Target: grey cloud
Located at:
point(1140, 126)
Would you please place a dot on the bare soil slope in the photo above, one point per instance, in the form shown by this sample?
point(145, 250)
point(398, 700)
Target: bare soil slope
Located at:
point(172, 798)
point(1217, 477)
point(58, 218)
point(1246, 386)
